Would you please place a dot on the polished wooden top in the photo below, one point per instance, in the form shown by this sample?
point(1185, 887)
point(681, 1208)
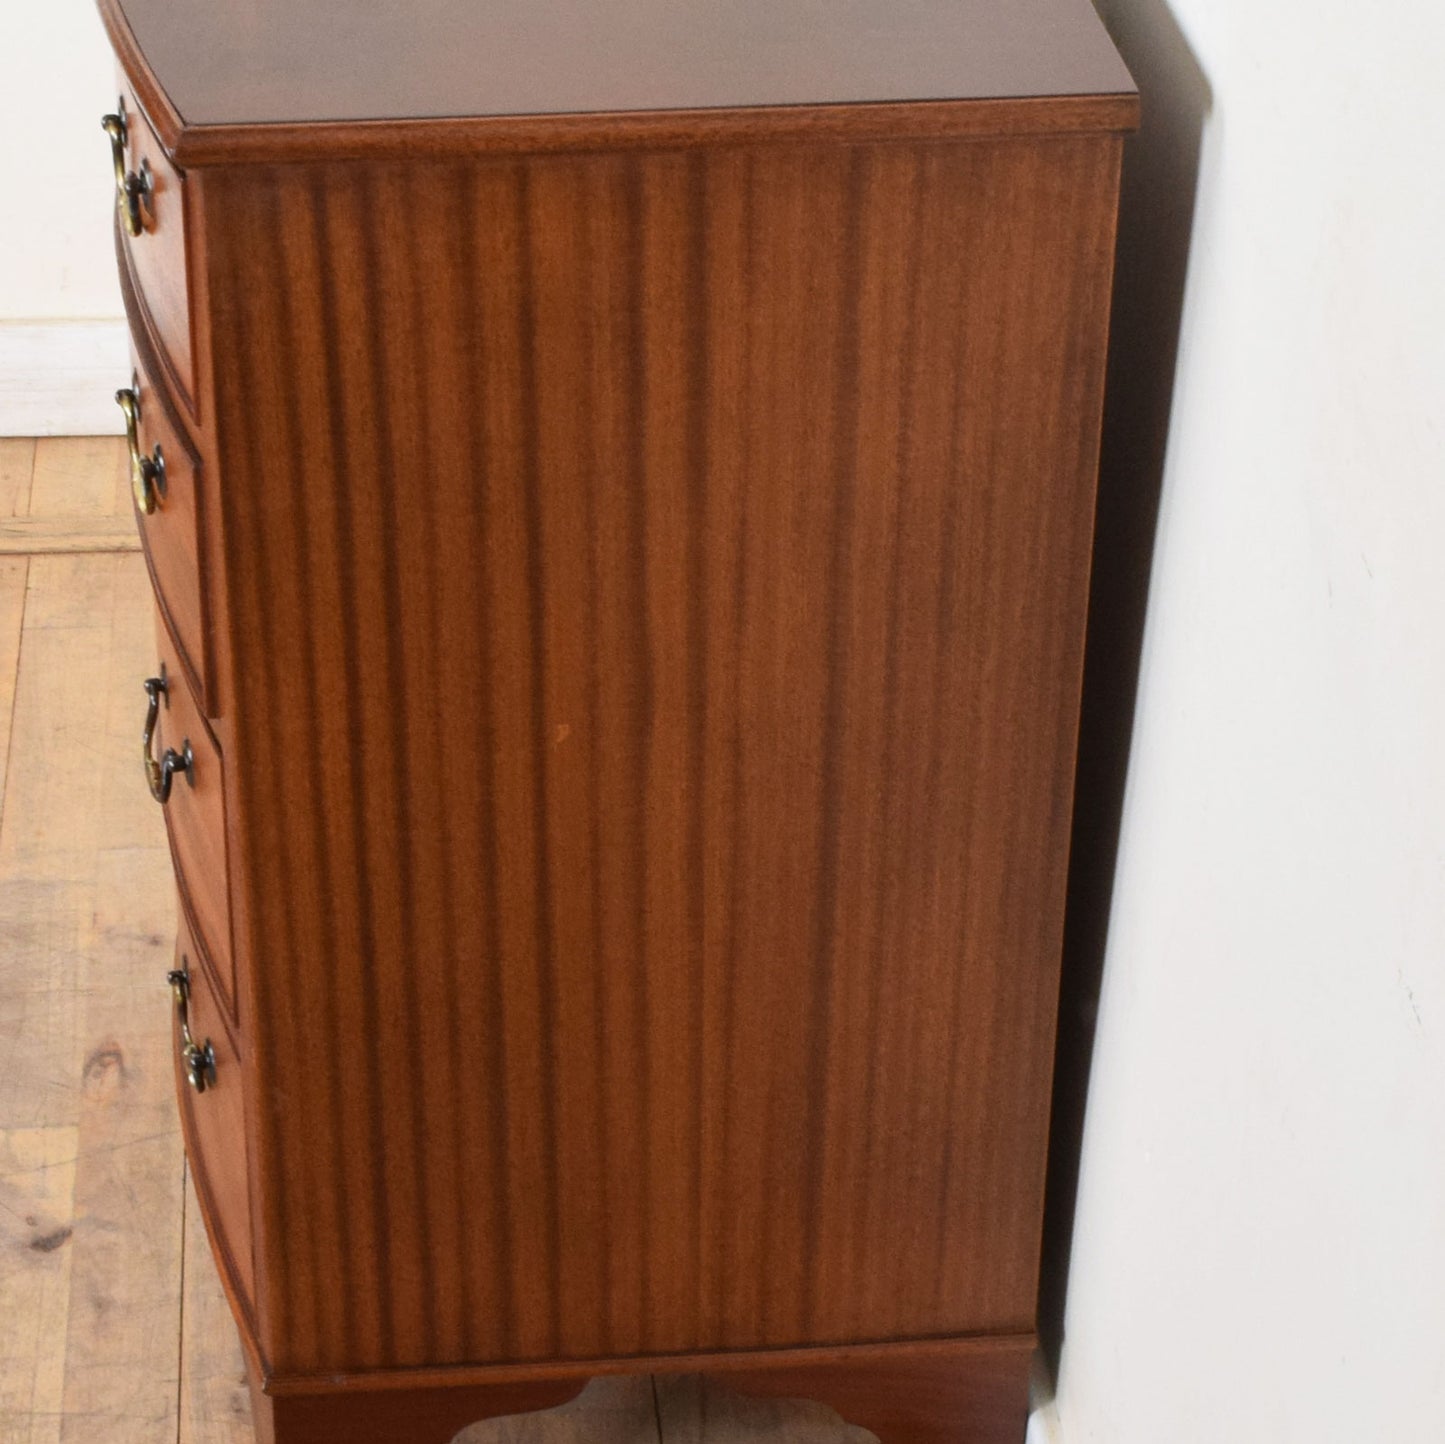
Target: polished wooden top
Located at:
point(248, 63)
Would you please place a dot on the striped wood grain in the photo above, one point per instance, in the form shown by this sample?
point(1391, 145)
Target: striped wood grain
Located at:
point(655, 651)
point(184, 1312)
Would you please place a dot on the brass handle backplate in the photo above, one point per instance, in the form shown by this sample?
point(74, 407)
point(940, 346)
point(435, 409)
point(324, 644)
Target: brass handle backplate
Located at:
point(199, 1059)
point(161, 774)
point(147, 473)
point(134, 190)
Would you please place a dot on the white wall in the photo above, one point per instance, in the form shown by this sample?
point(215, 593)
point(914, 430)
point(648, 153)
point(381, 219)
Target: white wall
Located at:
point(57, 267)
point(1259, 1250)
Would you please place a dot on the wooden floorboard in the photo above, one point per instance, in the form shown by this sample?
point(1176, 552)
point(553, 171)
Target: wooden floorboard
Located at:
point(17, 465)
point(48, 850)
point(692, 1409)
point(48, 535)
point(113, 1326)
point(37, 1188)
point(91, 1207)
point(121, 1346)
point(608, 1411)
point(78, 476)
point(14, 573)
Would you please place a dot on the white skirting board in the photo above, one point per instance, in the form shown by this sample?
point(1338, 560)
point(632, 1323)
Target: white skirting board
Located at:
point(1044, 1426)
point(59, 378)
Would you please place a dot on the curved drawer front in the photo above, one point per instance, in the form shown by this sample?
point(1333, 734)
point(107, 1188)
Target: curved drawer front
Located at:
point(171, 529)
point(195, 813)
point(157, 254)
point(215, 1118)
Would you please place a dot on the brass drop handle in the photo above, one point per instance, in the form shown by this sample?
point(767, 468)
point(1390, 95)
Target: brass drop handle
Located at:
point(147, 473)
point(199, 1058)
point(133, 189)
point(161, 774)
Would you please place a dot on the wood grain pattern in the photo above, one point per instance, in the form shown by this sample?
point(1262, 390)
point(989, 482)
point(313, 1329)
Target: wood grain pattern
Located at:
point(120, 1357)
point(17, 466)
point(677, 703)
point(40, 1336)
point(615, 1410)
point(695, 1409)
point(125, 1279)
point(14, 573)
point(75, 477)
point(37, 1187)
point(272, 64)
point(51, 536)
point(890, 75)
point(646, 610)
point(126, 1167)
point(58, 495)
point(53, 791)
point(87, 1119)
point(17, 469)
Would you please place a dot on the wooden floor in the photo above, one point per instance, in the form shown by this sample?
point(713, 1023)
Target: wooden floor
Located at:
point(113, 1329)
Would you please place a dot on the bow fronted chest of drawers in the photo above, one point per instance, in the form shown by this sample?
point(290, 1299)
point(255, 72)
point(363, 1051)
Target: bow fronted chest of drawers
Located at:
point(618, 484)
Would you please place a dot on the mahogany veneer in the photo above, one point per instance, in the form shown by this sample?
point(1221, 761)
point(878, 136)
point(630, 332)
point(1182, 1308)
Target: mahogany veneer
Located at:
point(624, 593)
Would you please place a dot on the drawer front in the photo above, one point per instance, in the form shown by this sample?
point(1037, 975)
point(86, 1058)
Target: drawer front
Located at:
point(212, 1102)
point(168, 505)
point(195, 811)
point(156, 253)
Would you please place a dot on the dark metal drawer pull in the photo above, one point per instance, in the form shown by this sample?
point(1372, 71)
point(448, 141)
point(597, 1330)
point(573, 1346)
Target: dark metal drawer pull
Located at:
point(199, 1058)
point(160, 775)
point(133, 189)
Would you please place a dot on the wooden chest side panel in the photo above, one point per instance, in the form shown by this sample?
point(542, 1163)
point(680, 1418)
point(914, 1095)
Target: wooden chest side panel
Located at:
point(658, 588)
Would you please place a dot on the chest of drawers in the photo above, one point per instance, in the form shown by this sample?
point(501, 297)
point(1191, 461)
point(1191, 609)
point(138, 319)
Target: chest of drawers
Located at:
point(618, 482)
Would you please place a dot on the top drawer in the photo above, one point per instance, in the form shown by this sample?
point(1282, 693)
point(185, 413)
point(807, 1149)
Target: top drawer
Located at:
point(151, 211)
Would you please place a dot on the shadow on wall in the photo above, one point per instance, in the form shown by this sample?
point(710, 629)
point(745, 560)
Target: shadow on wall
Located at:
point(1156, 215)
